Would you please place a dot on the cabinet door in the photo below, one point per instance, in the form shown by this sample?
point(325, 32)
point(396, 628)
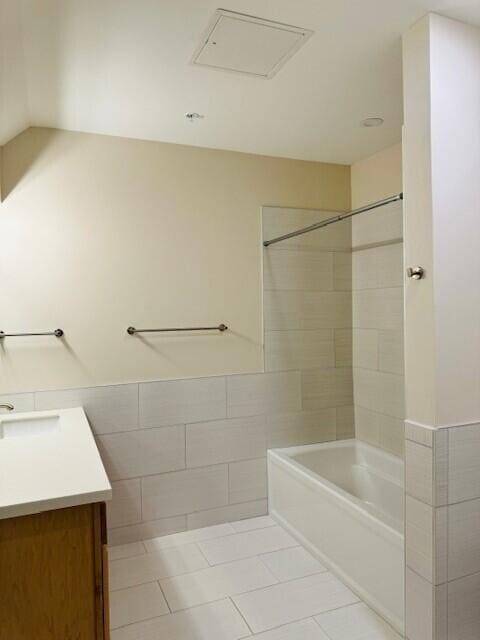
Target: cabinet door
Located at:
point(51, 576)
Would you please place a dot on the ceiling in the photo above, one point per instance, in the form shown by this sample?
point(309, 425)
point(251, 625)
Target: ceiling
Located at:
point(122, 67)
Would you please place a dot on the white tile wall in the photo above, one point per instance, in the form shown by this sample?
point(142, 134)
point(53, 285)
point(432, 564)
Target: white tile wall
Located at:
point(126, 505)
point(298, 270)
point(144, 452)
point(220, 441)
point(109, 408)
point(322, 388)
point(182, 492)
point(230, 513)
point(302, 349)
point(263, 393)
point(180, 401)
point(247, 480)
point(20, 401)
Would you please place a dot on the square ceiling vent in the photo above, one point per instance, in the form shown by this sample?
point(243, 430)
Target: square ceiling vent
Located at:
point(246, 44)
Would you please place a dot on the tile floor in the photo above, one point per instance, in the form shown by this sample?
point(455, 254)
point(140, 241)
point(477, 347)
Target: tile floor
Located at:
point(247, 579)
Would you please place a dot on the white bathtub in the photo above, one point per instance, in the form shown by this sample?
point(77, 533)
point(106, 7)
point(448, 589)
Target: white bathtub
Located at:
point(344, 502)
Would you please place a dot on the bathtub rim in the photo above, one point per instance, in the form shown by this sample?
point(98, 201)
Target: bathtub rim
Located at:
point(347, 500)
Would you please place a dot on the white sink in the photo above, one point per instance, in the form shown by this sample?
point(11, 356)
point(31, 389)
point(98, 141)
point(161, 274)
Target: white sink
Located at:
point(22, 427)
point(48, 460)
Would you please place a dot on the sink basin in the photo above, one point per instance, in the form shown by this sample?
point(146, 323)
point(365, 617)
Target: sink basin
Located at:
point(21, 427)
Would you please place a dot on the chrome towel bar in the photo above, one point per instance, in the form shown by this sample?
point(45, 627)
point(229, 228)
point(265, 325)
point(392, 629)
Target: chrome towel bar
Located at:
point(221, 327)
point(58, 333)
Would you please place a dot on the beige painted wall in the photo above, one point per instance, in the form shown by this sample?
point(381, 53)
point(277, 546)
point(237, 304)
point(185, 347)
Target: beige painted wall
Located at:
point(377, 176)
point(377, 303)
point(99, 233)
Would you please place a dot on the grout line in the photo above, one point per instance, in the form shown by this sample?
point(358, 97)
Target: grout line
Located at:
point(241, 614)
point(164, 596)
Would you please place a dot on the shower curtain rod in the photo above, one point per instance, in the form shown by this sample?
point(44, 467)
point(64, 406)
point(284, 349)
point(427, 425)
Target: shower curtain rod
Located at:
point(339, 218)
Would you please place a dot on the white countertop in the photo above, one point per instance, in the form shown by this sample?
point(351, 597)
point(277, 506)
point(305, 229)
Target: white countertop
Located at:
point(49, 460)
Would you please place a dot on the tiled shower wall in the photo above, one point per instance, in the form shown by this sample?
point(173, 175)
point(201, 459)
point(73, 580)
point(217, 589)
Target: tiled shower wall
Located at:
point(307, 283)
point(378, 344)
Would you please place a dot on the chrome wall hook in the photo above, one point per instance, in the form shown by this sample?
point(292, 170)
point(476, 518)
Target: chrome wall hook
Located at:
point(415, 273)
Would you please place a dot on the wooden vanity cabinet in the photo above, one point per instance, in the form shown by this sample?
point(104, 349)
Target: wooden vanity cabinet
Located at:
point(54, 575)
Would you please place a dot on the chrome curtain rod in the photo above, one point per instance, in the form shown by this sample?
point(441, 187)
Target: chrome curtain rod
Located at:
point(58, 333)
point(221, 327)
point(339, 218)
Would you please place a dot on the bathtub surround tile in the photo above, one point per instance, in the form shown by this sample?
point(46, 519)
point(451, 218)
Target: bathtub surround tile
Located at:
point(380, 392)
point(392, 434)
point(322, 388)
point(286, 350)
point(146, 530)
point(343, 348)
point(246, 545)
point(20, 401)
point(302, 310)
point(228, 440)
point(305, 427)
point(355, 622)
point(263, 393)
point(247, 480)
point(280, 604)
point(126, 550)
point(128, 572)
point(367, 426)
point(214, 621)
point(144, 452)
point(125, 506)
point(378, 309)
point(390, 352)
point(135, 604)
point(182, 492)
point(345, 422)
point(188, 537)
point(364, 269)
point(303, 630)
point(365, 348)
point(290, 564)
point(464, 467)
point(296, 270)
point(182, 401)
point(440, 560)
point(109, 409)
point(342, 271)
point(382, 226)
point(231, 513)
point(215, 583)
point(389, 262)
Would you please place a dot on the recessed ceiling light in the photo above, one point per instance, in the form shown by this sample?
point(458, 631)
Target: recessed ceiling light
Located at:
point(194, 116)
point(372, 122)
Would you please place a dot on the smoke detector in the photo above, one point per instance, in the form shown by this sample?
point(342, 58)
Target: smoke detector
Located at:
point(246, 44)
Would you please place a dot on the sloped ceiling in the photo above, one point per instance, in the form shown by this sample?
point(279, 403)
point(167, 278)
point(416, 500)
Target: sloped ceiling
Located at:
point(122, 67)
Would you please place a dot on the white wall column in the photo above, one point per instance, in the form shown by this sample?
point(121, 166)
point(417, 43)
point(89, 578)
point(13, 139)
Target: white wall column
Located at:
point(442, 329)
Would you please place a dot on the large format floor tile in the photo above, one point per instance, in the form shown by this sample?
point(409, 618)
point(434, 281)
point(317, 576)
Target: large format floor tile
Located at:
point(304, 630)
point(128, 572)
point(215, 621)
point(136, 603)
point(246, 545)
point(273, 606)
point(357, 622)
point(247, 579)
point(289, 564)
point(215, 583)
